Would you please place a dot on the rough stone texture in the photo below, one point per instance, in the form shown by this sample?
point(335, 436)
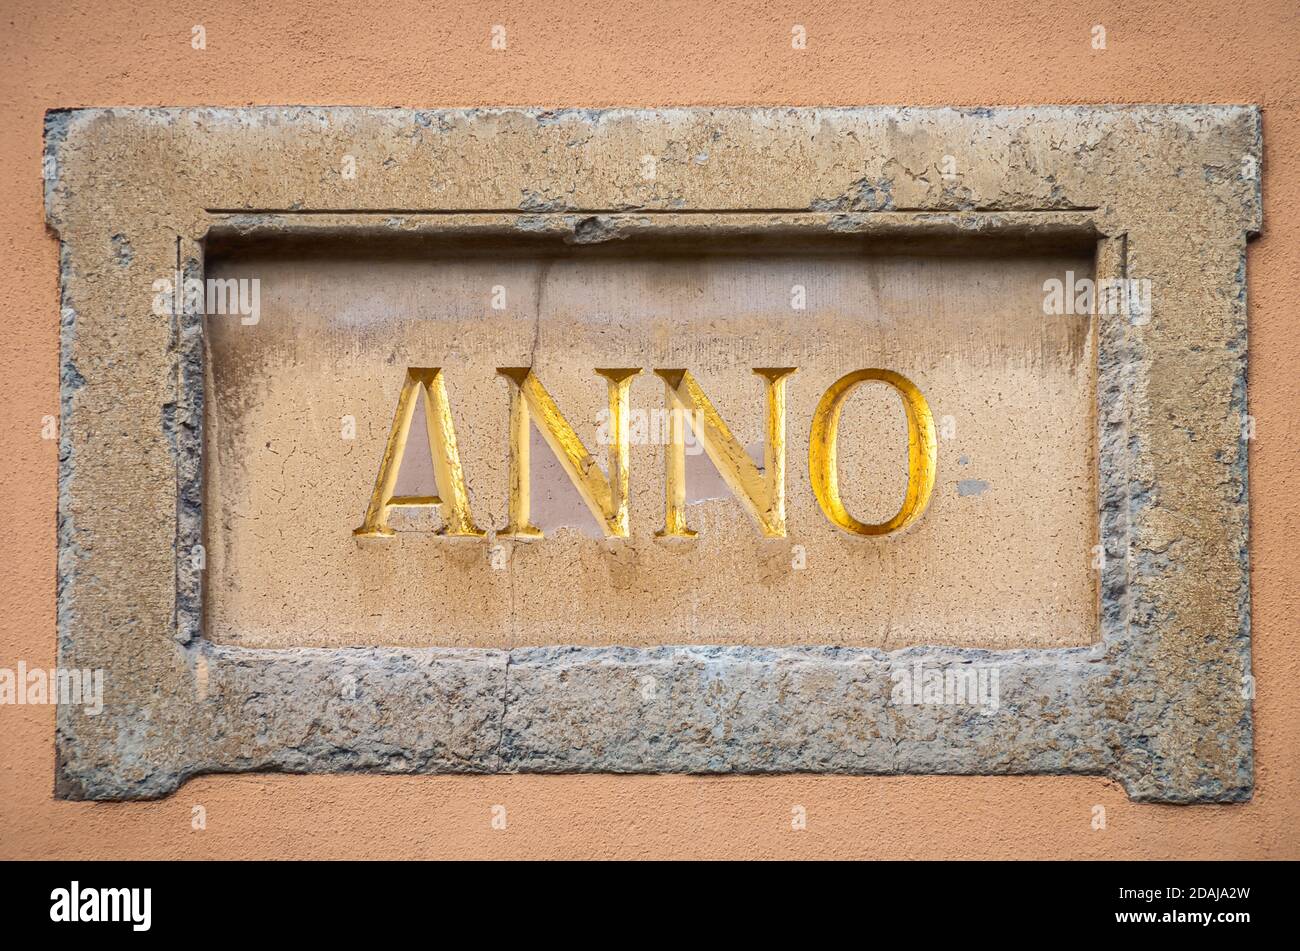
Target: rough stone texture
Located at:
point(1170, 192)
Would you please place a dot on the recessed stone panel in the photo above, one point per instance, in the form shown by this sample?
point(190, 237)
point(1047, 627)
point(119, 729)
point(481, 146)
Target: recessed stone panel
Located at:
point(300, 405)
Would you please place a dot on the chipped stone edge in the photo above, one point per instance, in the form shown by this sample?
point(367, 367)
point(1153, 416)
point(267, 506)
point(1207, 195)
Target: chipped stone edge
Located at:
point(521, 684)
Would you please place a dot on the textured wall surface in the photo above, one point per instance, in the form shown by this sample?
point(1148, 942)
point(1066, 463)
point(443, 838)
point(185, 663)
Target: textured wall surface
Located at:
point(670, 54)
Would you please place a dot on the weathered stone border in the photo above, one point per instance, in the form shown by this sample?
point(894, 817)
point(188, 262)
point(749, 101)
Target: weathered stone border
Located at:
point(1168, 193)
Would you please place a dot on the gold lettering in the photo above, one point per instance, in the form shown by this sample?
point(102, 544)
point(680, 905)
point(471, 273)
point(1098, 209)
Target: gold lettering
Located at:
point(761, 493)
point(607, 498)
point(922, 453)
point(454, 500)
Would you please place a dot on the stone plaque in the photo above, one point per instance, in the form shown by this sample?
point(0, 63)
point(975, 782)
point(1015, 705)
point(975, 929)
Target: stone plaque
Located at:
point(859, 441)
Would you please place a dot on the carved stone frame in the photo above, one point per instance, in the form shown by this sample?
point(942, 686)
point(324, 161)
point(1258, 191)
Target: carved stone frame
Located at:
point(1160, 703)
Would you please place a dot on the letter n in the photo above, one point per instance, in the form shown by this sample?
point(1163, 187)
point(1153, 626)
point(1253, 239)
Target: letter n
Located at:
point(453, 499)
point(760, 492)
point(605, 497)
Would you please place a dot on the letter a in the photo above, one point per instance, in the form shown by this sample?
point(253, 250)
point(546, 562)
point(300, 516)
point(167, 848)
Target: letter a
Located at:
point(454, 501)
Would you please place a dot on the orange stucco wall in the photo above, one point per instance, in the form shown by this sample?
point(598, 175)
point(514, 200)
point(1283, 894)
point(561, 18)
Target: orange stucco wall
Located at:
point(609, 52)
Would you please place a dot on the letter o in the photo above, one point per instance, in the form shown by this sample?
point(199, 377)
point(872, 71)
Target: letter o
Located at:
point(922, 452)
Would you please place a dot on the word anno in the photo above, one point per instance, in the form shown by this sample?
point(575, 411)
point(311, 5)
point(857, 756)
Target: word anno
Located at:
point(761, 492)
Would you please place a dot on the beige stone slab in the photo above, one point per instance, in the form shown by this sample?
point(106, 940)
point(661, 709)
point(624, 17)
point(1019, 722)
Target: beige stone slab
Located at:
point(1001, 558)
